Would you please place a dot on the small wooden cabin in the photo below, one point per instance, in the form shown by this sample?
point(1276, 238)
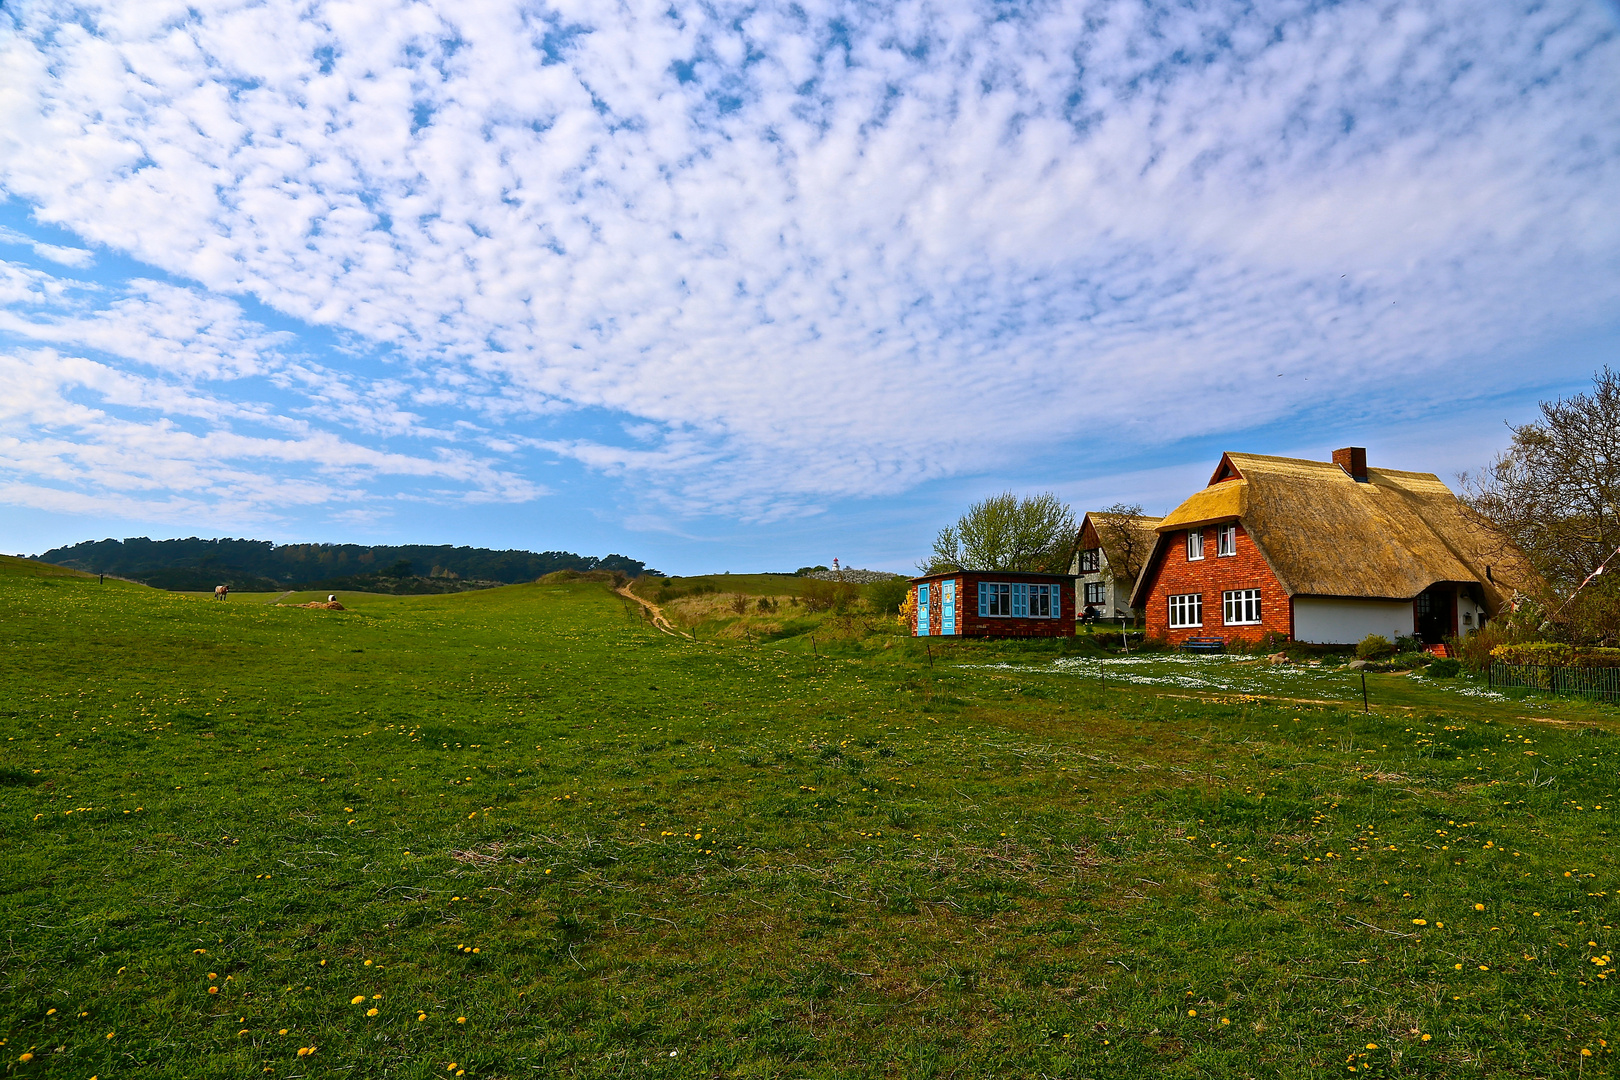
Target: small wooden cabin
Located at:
point(972, 603)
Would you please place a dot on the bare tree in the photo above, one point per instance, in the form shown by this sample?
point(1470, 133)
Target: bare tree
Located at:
point(1126, 543)
point(1005, 532)
point(1555, 495)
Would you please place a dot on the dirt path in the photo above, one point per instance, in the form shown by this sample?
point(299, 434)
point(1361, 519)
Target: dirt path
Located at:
point(656, 612)
point(280, 598)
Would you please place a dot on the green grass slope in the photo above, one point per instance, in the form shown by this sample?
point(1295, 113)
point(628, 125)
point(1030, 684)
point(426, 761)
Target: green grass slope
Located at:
point(521, 833)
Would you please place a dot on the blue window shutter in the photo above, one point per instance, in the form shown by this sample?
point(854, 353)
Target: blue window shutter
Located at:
point(1020, 601)
point(984, 599)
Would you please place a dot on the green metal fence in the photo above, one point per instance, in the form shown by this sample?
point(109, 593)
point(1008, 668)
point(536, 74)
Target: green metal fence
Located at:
point(1598, 683)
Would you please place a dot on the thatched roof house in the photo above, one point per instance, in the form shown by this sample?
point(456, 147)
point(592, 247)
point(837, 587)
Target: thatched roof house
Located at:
point(1325, 551)
point(1112, 549)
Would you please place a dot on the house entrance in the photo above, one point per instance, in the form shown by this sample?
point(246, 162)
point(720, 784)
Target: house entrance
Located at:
point(1433, 614)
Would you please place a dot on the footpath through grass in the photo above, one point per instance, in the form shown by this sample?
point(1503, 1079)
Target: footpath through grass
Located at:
point(520, 833)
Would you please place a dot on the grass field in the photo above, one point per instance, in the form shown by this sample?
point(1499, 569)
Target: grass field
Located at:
point(519, 832)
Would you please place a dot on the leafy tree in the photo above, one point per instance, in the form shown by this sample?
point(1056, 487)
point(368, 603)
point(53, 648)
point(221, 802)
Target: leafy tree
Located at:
point(1006, 532)
point(1555, 495)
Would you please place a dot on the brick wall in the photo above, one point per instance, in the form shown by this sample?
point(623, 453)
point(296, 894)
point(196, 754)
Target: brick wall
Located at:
point(969, 624)
point(1172, 575)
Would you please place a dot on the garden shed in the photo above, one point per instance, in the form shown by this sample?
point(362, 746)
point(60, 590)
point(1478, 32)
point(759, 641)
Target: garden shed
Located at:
point(975, 603)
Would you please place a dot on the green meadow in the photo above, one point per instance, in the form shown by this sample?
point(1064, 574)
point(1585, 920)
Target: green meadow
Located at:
point(522, 832)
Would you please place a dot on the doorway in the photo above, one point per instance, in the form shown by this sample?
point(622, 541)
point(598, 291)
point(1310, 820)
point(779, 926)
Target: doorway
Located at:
point(1433, 611)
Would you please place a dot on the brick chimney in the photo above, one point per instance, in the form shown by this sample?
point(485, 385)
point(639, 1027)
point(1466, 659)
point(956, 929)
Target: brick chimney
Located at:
point(1353, 460)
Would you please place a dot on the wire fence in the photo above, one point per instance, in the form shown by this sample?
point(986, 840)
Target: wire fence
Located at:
point(1598, 683)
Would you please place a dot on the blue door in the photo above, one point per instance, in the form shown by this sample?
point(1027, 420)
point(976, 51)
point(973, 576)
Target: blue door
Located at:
point(947, 607)
point(922, 610)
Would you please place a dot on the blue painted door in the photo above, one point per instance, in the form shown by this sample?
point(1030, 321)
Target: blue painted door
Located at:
point(947, 607)
point(922, 610)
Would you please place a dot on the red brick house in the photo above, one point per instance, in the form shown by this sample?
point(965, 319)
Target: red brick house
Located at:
point(992, 603)
point(1325, 552)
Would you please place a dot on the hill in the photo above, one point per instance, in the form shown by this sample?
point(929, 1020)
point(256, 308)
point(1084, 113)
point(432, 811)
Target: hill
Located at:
point(197, 564)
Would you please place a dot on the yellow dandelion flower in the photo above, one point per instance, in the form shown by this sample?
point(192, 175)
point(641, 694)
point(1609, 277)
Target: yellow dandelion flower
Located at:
point(213, 989)
point(1224, 1020)
point(461, 1019)
point(50, 1012)
point(1192, 1012)
point(283, 1031)
point(357, 999)
point(1585, 1052)
point(1372, 1046)
point(110, 1034)
point(25, 1057)
point(1426, 1038)
point(371, 1011)
point(1479, 907)
point(1420, 922)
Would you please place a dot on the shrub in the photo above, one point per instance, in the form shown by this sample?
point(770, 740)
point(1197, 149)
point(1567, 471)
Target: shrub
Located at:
point(1445, 669)
point(1550, 655)
point(1411, 660)
point(1408, 644)
point(739, 604)
point(887, 596)
point(1374, 647)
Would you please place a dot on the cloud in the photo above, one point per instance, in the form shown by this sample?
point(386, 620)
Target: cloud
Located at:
point(67, 256)
point(810, 251)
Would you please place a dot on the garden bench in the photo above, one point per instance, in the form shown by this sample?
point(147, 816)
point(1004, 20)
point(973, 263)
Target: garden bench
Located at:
point(1203, 645)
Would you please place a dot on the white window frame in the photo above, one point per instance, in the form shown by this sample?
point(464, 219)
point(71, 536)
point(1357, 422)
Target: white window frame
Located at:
point(1189, 608)
point(1100, 588)
point(1226, 541)
point(1195, 545)
point(1245, 603)
point(1090, 560)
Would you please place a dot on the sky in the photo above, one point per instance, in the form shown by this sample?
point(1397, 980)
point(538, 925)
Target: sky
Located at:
point(753, 286)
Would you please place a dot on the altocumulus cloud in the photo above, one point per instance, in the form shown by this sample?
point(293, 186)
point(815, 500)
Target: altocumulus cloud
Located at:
point(797, 252)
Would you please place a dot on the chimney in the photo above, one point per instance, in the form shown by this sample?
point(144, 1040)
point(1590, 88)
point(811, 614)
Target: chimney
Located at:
point(1353, 460)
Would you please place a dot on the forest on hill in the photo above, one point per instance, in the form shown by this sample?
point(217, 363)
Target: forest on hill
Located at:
point(200, 564)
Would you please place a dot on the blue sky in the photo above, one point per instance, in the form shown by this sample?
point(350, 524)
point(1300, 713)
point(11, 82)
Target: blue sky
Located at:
point(750, 286)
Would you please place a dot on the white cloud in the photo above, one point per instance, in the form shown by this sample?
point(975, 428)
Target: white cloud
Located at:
point(67, 256)
point(811, 251)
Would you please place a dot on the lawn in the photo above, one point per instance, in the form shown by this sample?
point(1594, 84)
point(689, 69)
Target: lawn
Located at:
point(520, 832)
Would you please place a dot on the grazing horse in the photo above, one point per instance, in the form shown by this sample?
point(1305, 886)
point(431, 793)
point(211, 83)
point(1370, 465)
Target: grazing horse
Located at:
point(221, 591)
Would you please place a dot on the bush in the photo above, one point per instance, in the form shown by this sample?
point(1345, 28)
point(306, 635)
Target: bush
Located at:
point(1408, 644)
point(887, 596)
point(1411, 660)
point(1374, 647)
point(1447, 668)
point(1550, 655)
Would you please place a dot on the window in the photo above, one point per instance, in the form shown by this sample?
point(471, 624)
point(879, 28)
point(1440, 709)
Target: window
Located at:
point(1094, 592)
point(998, 601)
point(1091, 560)
point(1226, 540)
point(1195, 545)
point(1186, 610)
point(1240, 607)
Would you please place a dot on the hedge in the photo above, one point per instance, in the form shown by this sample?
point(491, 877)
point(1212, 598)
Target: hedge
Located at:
point(1551, 655)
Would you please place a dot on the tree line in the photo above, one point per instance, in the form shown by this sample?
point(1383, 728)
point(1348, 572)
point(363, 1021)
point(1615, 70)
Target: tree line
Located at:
point(197, 563)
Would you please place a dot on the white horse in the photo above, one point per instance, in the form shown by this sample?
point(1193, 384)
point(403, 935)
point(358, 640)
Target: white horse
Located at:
point(221, 591)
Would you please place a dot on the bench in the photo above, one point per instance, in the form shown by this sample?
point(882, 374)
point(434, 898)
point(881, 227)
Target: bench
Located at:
point(1203, 645)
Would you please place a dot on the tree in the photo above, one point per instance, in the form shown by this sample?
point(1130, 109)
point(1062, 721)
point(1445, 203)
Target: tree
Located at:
point(1555, 495)
point(1005, 532)
point(1125, 541)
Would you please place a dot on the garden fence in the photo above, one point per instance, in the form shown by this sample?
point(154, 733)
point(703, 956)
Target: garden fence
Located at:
point(1600, 683)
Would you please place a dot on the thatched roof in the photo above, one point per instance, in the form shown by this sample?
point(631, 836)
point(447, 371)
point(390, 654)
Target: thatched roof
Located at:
point(1096, 523)
point(1325, 534)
